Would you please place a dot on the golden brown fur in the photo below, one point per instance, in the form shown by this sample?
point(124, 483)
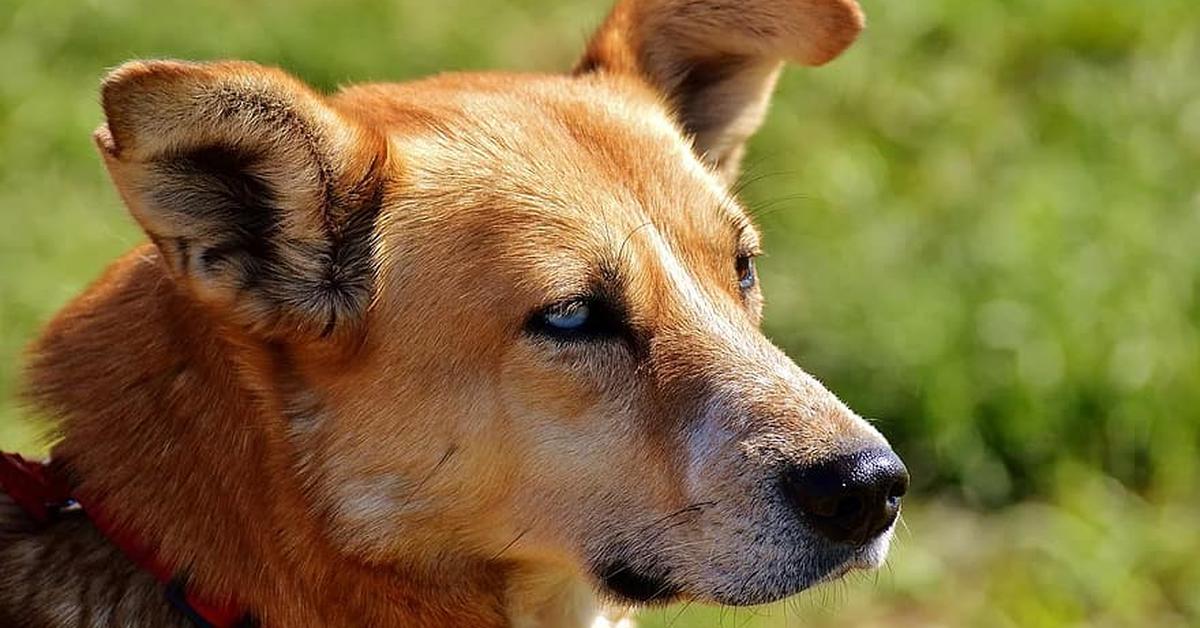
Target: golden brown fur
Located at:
point(317, 390)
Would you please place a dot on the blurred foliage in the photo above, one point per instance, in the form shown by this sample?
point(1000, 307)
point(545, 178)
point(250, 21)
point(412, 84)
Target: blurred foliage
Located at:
point(983, 227)
point(996, 253)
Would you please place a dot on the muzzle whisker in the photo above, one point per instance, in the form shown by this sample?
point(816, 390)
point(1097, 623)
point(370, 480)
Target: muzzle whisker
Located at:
point(904, 524)
point(680, 613)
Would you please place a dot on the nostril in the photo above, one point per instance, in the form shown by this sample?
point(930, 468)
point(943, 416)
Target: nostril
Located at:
point(900, 486)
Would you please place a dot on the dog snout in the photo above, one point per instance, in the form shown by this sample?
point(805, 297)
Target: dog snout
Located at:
point(851, 498)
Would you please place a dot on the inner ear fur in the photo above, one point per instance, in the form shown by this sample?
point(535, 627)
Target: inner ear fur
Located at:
point(260, 197)
point(715, 62)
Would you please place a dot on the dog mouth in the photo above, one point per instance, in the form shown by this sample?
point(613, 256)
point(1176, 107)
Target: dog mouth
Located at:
point(654, 583)
point(639, 586)
point(630, 585)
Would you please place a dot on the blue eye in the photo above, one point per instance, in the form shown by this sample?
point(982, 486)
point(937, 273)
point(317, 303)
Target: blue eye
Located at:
point(745, 272)
point(579, 319)
point(568, 317)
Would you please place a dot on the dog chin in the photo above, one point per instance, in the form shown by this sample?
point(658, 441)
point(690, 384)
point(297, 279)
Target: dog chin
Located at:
point(809, 571)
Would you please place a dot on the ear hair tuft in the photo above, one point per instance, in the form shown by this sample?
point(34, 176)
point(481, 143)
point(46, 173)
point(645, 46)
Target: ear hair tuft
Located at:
point(260, 197)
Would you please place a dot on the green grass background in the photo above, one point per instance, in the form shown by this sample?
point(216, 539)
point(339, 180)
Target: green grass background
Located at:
point(983, 227)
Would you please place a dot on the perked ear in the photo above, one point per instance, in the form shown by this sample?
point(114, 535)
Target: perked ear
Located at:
point(261, 198)
point(716, 61)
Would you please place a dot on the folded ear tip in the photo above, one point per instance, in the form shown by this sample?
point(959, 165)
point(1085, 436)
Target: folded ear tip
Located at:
point(858, 18)
point(134, 74)
point(838, 26)
point(127, 91)
point(105, 142)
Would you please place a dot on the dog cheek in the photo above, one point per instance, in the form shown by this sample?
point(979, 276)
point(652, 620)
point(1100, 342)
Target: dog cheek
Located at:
point(530, 391)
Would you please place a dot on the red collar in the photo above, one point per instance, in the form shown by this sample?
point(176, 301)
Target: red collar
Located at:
point(44, 497)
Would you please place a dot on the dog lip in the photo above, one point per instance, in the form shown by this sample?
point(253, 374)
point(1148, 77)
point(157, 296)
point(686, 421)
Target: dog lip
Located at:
point(839, 571)
point(626, 582)
point(864, 558)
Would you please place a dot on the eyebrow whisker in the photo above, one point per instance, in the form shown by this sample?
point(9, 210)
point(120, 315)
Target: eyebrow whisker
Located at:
point(629, 236)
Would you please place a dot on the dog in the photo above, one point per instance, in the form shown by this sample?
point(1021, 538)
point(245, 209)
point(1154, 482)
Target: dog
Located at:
point(474, 350)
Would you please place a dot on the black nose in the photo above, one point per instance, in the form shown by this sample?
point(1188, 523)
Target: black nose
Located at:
point(851, 498)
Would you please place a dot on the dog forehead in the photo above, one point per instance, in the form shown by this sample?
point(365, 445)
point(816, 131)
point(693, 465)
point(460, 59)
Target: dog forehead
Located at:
point(547, 149)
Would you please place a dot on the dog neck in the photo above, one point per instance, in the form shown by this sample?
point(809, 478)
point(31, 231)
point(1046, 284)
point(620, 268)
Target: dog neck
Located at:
point(161, 425)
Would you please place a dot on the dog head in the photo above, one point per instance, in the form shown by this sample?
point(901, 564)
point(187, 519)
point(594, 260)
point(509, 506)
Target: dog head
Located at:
point(515, 319)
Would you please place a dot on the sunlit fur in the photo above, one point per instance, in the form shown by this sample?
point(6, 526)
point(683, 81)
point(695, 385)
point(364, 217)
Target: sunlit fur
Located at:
point(316, 389)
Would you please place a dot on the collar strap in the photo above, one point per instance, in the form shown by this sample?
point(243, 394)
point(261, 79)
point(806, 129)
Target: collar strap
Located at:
point(44, 497)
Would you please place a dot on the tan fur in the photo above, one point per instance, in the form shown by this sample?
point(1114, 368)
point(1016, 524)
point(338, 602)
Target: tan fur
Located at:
point(316, 390)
